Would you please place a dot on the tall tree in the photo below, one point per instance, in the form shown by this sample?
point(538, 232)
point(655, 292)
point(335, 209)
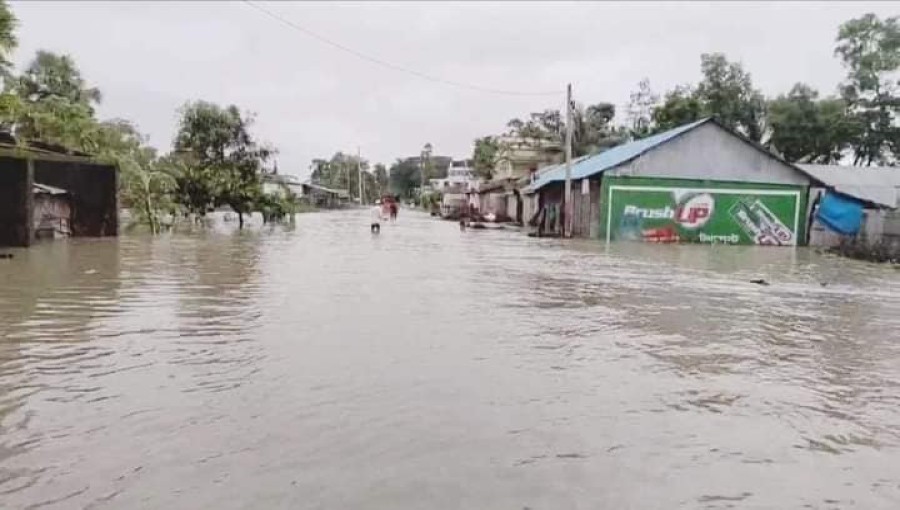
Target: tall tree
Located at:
point(484, 156)
point(593, 129)
point(404, 176)
point(427, 165)
point(51, 75)
point(727, 93)
point(679, 106)
point(870, 50)
point(8, 40)
point(52, 102)
point(342, 172)
point(381, 178)
point(804, 128)
point(227, 162)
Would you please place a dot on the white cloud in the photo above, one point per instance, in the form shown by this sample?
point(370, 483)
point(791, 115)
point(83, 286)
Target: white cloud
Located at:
point(311, 99)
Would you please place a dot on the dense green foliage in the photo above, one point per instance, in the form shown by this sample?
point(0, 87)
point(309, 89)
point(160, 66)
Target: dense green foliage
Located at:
point(870, 50)
point(342, 172)
point(807, 129)
point(224, 163)
point(215, 161)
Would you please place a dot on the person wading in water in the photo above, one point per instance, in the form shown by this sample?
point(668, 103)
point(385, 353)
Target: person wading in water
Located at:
point(376, 218)
point(393, 207)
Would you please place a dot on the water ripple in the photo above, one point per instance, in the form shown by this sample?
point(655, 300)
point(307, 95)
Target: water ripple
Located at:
point(319, 366)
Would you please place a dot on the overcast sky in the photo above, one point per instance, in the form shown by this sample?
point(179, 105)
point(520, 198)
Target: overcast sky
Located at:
point(311, 100)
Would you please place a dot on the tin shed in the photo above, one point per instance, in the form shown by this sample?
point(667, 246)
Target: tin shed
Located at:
point(700, 182)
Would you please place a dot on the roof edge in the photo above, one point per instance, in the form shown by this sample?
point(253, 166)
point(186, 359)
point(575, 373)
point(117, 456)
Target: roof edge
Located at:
point(760, 147)
point(690, 126)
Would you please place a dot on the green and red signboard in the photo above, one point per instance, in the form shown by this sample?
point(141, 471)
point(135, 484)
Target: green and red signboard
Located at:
point(714, 212)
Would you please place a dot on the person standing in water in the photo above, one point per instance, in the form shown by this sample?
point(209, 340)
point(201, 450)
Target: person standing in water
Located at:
point(393, 209)
point(376, 218)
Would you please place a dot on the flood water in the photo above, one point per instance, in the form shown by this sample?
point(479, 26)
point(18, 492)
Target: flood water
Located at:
point(322, 367)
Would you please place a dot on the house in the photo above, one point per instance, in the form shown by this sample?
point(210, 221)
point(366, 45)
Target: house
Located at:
point(460, 174)
point(42, 185)
point(282, 184)
point(460, 179)
point(873, 191)
point(320, 196)
point(493, 199)
point(700, 182)
point(515, 166)
point(518, 157)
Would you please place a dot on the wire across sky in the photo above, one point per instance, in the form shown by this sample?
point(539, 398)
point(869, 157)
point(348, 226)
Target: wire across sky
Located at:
point(358, 54)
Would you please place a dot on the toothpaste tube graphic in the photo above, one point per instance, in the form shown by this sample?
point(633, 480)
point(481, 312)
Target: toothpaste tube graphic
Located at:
point(760, 224)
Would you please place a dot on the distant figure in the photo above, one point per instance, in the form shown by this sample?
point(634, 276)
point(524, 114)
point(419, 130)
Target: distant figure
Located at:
point(393, 208)
point(376, 218)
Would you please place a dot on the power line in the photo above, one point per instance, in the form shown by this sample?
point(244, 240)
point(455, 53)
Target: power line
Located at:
point(390, 65)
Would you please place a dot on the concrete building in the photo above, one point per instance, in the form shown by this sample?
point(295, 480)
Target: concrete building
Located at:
point(453, 188)
point(460, 176)
point(518, 157)
point(700, 182)
point(38, 184)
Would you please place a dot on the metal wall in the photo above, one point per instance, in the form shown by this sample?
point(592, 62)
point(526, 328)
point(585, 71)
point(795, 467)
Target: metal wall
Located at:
point(93, 189)
point(15, 203)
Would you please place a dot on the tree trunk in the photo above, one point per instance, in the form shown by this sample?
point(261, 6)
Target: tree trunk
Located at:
point(240, 219)
point(148, 210)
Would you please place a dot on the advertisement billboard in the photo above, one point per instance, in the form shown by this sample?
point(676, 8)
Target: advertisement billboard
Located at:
point(642, 209)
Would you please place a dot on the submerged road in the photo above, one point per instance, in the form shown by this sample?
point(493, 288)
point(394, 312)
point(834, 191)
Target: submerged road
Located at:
point(321, 367)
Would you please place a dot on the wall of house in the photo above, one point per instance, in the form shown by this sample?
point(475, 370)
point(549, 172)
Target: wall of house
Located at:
point(494, 203)
point(879, 225)
point(15, 203)
point(709, 152)
point(518, 156)
point(529, 206)
point(550, 195)
point(586, 206)
point(93, 191)
point(586, 209)
point(512, 207)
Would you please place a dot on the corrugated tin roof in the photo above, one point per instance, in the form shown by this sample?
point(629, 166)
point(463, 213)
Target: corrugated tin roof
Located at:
point(592, 165)
point(878, 185)
point(339, 192)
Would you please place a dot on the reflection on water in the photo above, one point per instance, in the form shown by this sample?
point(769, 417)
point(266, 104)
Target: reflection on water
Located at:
point(322, 367)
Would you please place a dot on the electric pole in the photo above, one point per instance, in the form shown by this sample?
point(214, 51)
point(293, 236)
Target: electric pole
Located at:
point(568, 208)
point(359, 174)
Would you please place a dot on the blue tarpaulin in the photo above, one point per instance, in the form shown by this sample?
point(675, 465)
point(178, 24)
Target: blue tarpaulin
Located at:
point(840, 213)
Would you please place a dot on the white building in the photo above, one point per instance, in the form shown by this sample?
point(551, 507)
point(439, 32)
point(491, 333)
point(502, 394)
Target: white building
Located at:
point(460, 176)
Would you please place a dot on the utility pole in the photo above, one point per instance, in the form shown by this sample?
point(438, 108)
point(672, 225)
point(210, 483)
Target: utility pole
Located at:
point(359, 174)
point(347, 172)
point(568, 208)
point(421, 173)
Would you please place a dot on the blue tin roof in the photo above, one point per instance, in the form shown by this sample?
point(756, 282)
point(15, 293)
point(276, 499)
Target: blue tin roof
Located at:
point(589, 166)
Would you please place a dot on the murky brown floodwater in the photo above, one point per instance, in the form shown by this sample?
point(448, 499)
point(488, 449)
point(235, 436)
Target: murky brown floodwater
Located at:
point(321, 367)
